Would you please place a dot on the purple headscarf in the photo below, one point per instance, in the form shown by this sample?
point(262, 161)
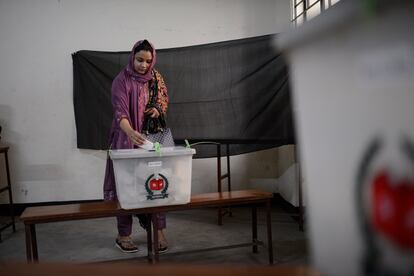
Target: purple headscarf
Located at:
point(130, 67)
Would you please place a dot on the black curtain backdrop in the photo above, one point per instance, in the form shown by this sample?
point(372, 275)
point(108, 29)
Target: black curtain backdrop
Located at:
point(233, 92)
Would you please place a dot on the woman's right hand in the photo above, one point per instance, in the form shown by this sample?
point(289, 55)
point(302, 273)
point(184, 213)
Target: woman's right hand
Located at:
point(136, 137)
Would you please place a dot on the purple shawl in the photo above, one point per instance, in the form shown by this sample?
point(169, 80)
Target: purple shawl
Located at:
point(129, 98)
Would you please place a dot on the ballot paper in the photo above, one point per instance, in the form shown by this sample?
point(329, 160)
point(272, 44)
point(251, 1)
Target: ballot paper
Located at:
point(147, 145)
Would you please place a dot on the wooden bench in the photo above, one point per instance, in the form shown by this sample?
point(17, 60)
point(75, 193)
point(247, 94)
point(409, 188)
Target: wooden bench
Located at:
point(47, 214)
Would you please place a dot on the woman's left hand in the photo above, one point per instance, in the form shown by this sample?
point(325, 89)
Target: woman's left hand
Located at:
point(153, 112)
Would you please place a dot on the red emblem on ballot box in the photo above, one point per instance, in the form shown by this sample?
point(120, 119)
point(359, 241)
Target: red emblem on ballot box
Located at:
point(156, 186)
point(393, 209)
point(384, 193)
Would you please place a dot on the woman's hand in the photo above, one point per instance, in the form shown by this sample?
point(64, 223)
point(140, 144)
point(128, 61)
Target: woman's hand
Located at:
point(153, 112)
point(136, 137)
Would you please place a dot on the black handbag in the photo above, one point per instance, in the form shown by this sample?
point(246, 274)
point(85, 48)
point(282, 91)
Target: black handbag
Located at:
point(153, 125)
point(165, 138)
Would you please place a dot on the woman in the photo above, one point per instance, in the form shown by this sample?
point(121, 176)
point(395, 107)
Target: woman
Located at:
point(130, 95)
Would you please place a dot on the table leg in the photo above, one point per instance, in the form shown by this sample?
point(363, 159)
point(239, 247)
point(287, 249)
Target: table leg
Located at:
point(150, 255)
point(10, 192)
point(155, 231)
point(29, 246)
point(254, 228)
point(219, 211)
point(34, 242)
point(31, 243)
point(269, 231)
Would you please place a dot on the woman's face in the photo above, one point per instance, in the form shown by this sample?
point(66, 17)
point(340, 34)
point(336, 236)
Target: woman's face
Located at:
point(142, 61)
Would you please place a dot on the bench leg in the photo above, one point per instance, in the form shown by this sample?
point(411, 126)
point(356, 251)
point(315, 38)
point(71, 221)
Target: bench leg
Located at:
point(31, 243)
point(155, 234)
point(150, 255)
point(254, 228)
point(34, 243)
point(269, 231)
point(29, 256)
point(219, 216)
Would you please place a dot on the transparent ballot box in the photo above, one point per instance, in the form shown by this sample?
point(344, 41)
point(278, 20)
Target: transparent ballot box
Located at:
point(148, 178)
point(352, 77)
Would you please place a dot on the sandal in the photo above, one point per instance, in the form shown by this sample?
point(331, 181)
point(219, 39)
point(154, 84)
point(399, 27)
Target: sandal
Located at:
point(127, 246)
point(162, 247)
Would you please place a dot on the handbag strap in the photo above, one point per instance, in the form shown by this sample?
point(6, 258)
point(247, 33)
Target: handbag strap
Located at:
point(153, 92)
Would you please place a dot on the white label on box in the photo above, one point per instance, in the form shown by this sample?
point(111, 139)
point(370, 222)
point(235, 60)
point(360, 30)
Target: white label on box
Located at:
point(385, 67)
point(155, 164)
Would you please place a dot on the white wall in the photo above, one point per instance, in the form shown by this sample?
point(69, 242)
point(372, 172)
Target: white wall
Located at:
point(36, 105)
